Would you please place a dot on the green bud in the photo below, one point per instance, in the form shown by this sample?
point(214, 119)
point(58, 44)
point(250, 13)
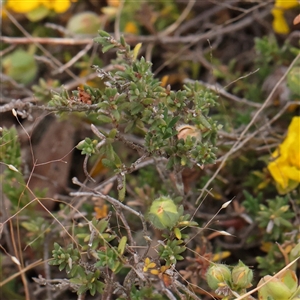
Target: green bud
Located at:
point(84, 23)
point(216, 275)
point(20, 66)
point(163, 213)
point(275, 289)
point(242, 276)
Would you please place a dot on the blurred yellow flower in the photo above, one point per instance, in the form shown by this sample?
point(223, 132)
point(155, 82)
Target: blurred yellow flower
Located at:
point(23, 6)
point(59, 6)
point(101, 212)
point(279, 23)
point(285, 169)
point(286, 4)
point(114, 3)
point(131, 27)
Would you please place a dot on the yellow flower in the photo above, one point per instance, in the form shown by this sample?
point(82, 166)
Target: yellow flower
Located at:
point(59, 6)
point(279, 23)
point(285, 169)
point(150, 266)
point(26, 6)
point(114, 3)
point(21, 6)
point(286, 4)
point(131, 28)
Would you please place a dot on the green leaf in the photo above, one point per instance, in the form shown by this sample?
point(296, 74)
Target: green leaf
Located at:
point(129, 126)
point(122, 245)
point(147, 101)
point(112, 133)
point(109, 152)
point(76, 281)
point(107, 47)
point(82, 289)
point(122, 41)
point(38, 13)
point(177, 233)
point(136, 107)
point(56, 246)
point(179, 257)
point(108, 163)
point(104, 119)
point(122, 191)
point(31, 227)
point(103, 33)
point(62, 266)
point(93, 290)
point(173, 121)
point(115, 113)
point(101, 225)
point(99, 286)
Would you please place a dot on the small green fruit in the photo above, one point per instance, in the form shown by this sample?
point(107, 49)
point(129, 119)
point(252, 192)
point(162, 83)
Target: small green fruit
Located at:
point(217, 274)
point(163, 213)
point(84, 23)
point(242, 276)
point(21, 66)
point(275, 289)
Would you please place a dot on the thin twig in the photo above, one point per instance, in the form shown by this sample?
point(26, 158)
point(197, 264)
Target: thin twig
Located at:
point(27, 268)
point(219, 90)
point(214, 32)
point(7, 50)
point(74, 59)
point(44, 50)
point(15, 104)
point(111, 200)
point(19, 257)
point(241, 77)
point(238, 142)
point(262, 128)
point(117, 21)
point(15, 84)
point(42, 40)
point(127, 227)
point(132, 40)
point(85, 170)
point(56, 284)
point(186, 290)
point(46, 264)
point(182, 17)
point(137, 167)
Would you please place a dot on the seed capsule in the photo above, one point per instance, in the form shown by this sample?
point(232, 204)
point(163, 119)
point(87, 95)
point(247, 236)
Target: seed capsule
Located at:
point(188, 130)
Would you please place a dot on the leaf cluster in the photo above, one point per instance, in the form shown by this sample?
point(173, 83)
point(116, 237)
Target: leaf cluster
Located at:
point(134, 101)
